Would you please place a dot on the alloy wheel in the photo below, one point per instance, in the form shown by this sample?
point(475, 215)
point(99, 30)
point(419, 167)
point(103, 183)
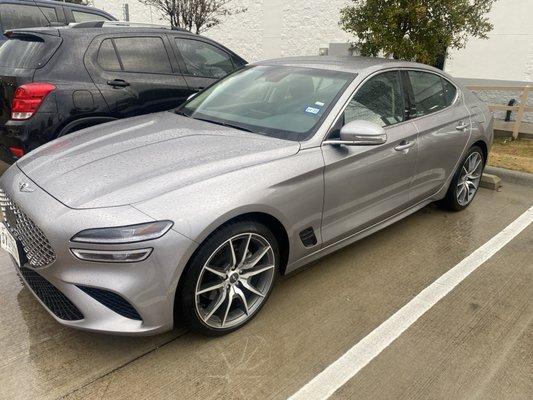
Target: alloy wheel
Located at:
point(469, 178)
point(235, 281)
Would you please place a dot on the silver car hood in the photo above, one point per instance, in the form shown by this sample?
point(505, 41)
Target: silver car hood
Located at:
point(133, 160)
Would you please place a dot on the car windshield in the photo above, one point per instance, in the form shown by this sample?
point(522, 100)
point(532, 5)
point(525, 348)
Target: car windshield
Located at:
point(279, 101)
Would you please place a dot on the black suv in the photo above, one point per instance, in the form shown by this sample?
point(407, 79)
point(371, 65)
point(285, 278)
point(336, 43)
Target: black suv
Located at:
point(15, 14)
point(54, 81)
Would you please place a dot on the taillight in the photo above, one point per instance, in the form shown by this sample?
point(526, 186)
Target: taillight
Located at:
point(17, 151)
point(28, 98)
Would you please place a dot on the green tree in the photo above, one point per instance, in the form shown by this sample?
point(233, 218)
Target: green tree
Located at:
point(415, 30)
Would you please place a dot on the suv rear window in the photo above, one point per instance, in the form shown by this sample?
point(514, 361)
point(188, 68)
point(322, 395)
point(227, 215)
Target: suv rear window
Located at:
point(24, 52)
point(15, 16)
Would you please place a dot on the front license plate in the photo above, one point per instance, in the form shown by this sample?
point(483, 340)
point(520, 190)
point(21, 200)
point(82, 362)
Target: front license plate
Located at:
point(9, 243)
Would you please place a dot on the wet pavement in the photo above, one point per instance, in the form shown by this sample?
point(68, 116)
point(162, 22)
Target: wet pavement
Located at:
point(477, 342)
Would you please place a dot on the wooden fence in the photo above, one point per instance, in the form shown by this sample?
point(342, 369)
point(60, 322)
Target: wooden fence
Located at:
point(521, 108)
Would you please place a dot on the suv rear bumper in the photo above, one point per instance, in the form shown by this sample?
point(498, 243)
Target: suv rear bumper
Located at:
point(27, 135)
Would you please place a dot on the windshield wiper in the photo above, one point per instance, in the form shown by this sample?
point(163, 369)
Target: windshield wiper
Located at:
point(225, 124)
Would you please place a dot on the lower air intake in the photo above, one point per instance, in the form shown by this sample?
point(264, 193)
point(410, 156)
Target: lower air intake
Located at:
point(112, 301)
point(54, 300)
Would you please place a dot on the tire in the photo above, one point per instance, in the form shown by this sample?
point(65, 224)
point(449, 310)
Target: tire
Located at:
point(460, 194)
point(213, 266)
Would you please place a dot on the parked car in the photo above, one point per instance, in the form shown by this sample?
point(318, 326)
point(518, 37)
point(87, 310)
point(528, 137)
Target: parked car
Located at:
point(54, 81)
point(16, 14)
point(121, 228)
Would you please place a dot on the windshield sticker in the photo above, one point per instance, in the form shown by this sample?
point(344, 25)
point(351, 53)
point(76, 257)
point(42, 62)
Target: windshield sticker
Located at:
point(319, 103)
point(312, 110)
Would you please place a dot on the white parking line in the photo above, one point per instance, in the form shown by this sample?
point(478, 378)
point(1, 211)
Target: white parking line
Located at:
point(350, 363)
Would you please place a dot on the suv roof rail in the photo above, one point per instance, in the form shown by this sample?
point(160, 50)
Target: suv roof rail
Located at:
point(121, 24)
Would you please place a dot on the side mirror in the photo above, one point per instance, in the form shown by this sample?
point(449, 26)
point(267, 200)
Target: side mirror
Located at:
point(360, 133)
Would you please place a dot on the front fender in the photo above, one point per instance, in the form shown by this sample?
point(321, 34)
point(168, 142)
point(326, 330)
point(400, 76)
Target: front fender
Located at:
point(289, 189)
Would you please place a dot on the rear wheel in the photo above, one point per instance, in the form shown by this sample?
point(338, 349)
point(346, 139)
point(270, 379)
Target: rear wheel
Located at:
point(465, 182)
point(230, 278)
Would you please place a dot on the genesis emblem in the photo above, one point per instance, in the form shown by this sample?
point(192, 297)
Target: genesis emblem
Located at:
point(25, 187)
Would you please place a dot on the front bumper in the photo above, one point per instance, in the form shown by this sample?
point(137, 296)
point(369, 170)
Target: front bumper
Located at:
point(148, 286)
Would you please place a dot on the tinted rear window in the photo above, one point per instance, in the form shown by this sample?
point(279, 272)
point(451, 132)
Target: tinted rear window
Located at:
point(15, 16)
point(107, 56)
point(24, 53)
point(143, 54)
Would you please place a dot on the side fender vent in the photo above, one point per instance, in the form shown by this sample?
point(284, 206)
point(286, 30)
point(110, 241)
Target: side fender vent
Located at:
point(308, 237)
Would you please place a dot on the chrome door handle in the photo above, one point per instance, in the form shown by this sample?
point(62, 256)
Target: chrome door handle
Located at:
point(462, 126)
point(404, 145)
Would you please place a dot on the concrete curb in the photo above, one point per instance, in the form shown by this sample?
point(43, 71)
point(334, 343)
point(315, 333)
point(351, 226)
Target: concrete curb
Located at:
point(490, 181)
point(508, 175)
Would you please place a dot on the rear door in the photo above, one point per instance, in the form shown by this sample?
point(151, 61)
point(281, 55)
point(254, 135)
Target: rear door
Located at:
point(443, 124)
point(202, 62)
point(136, 74)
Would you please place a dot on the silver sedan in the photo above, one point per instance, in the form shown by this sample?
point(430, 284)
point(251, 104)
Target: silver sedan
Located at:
point(192, 214)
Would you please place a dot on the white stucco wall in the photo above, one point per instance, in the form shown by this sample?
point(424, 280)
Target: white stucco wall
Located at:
point(278, 28)
point(507, 54)
point(138, 12)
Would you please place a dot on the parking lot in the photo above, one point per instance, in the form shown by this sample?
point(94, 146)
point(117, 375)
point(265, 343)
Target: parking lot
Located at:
point(477, 342)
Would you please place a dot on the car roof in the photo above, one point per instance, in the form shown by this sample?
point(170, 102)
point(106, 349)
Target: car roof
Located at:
point(351, 64)
point(58, 3)
point(94, 31)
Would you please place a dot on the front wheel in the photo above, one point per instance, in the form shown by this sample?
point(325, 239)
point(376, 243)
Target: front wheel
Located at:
point(465, 182)
point(229, 278)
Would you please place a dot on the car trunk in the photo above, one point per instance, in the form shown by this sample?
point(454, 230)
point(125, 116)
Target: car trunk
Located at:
point(20, 56)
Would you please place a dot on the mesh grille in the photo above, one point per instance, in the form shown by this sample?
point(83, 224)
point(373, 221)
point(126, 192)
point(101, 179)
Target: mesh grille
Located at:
point(113, 301)
point(56, 301)
point(38, 250)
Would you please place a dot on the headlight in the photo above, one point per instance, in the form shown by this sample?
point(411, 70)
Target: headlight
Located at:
point(112, 256)
point(124, 234)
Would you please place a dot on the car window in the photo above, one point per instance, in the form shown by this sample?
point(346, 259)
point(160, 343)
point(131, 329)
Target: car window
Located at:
point(379, 100)
point(15, 16)
point(143, 54)
point(449, 91)
point(23, 52)
point(203, 59)
point(428, 92)
point(82, 16)
point(107, 56)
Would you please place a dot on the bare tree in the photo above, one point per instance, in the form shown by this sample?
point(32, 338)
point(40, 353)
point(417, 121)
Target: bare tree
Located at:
point(195, 15)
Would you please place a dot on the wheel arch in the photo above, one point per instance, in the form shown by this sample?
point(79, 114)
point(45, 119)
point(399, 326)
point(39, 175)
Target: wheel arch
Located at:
point(267, 219)
point(484, 148)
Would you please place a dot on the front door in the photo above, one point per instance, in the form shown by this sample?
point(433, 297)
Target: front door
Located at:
point(366, 184)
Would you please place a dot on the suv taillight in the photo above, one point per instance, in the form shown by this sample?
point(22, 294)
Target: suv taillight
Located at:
point(28, 98)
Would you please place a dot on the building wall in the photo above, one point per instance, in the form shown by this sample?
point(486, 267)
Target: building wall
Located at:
point(278, 28)
point(138, 12)
point(281, 28)
point(508, 52)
